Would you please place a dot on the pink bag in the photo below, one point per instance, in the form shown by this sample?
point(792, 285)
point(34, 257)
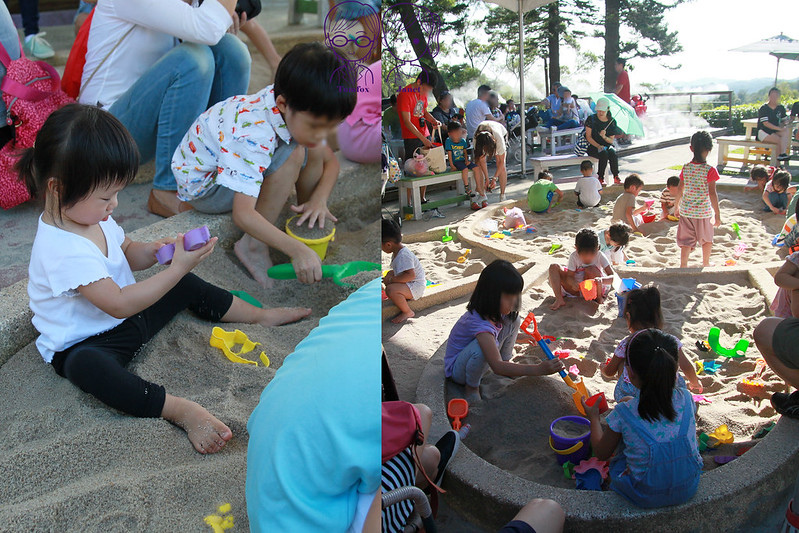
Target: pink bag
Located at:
point(417, 165)
point(402, 427)
point(31, 91)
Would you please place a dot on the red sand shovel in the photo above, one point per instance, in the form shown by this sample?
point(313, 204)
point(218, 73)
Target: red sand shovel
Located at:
point(457, 408)
point(578, 386)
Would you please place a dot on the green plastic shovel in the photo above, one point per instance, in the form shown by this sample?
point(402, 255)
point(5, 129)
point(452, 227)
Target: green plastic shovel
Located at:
point(337, 272)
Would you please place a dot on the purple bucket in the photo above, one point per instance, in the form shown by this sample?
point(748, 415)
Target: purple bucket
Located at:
point(573, 449)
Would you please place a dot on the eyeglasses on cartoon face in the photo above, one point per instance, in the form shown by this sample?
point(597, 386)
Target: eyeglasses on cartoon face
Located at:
point(340, 40)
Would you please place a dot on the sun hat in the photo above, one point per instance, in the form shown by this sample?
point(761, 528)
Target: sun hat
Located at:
point(603, 104)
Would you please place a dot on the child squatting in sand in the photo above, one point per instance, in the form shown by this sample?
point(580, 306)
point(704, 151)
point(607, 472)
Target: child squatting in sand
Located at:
point(248, 153)
point(487, 332)
point(586, 262)
point(91, 314)
point(406, 280)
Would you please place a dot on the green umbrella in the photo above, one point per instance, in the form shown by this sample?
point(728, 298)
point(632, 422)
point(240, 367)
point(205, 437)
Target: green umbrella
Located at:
point(622, 113)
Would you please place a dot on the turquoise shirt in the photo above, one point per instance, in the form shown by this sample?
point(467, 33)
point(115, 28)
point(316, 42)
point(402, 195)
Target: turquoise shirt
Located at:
point(315, 435)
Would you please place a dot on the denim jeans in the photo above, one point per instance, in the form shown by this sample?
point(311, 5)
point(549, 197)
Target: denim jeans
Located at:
point(778, 200)
point(470, 363)
point(161, 106)
point(29, 10)
point(10, 40)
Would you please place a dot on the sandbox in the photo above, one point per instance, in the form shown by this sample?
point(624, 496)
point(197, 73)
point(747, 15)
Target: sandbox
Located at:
point(658, 248)
point(489, 481)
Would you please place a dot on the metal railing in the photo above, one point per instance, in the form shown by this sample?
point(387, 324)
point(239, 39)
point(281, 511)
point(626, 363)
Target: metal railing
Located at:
point(691, 103)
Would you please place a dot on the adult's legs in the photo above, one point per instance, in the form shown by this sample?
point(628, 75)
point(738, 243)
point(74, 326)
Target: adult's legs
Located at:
point(29, 10)
point(544, 516)
point(232, 63)
point(10, 41)
point(613, 159)
point(780, 138)
point(593, 151)
point(502, 173)
point(160, 107)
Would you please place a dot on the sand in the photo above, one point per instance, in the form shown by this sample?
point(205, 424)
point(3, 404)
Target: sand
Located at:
point(440, 259)
point(658, 248)
point(361, 278)
point(315, 232)
point(569, 429)
point(72, 464)
point(521, 410)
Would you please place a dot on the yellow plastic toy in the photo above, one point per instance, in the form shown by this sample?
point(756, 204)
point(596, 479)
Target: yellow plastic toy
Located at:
point(220, 523)
point(700, 367)
point(462, 258)
point(723, 435)
point(226, 340)
point(497, 236)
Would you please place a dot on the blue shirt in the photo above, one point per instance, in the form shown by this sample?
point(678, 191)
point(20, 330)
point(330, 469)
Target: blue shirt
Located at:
point(458, 149)
point(315, 435)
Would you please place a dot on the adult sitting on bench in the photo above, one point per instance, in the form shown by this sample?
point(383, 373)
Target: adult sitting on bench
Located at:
point(600, 132)
point(772, 124)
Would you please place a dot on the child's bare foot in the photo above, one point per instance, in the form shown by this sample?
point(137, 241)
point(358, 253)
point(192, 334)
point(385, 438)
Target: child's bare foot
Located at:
point(559, 302)
point(254, 255)
point(206, 432)
point(402, 317)
point(283, 315)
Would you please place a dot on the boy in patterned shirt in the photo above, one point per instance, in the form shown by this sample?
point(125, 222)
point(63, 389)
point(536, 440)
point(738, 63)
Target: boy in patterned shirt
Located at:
point(248, 153)
point(667, 204)
point(697, 201)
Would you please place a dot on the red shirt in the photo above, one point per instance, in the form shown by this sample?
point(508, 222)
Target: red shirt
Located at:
point(623, 79)
point(411, 99)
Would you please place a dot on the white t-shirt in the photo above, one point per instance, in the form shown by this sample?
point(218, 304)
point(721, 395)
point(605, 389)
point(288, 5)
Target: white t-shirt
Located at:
point(475, 112)
point(499, 133)
point(568, 110)
point(578, 267)
point(60, 263)
point(588, 188)
point(157, 27)
point(405, 260)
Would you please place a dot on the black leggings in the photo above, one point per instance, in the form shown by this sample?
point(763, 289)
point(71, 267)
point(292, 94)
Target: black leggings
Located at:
point(605, 156)
point(97, 364)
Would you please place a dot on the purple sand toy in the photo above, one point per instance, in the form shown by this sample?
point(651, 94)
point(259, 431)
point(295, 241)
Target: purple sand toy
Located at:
point(724, 459)
point(192, 240)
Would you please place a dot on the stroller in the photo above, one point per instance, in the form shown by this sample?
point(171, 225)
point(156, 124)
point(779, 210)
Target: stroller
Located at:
point(531, 121)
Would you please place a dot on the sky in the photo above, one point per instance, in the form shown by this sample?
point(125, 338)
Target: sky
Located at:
point(707, 30)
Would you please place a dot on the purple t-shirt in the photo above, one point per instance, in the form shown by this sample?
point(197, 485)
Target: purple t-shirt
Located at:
point(465, 330)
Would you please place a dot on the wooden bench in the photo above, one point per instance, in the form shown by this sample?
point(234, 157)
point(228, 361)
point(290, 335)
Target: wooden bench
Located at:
point(559, 140)
point(543, 163)
point(414, 184)
point(755, 152)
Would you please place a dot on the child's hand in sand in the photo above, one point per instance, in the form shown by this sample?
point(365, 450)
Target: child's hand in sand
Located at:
point(185, 260)
point(314, 212)
point(695, 386)
point(550, 366)
point(307, 265)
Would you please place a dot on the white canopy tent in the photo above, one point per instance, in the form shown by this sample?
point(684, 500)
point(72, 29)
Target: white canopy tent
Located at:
point(521, 7)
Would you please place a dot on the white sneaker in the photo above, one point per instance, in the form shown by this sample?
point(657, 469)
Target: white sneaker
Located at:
point(501, 197)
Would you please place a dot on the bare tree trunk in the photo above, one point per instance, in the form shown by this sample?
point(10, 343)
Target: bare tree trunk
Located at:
point(419, 42)
point(553, 31)
point(611, 43)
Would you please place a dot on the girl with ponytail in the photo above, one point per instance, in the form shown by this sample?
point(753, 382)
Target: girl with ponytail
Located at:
point(659, 464)
point(642, 311)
